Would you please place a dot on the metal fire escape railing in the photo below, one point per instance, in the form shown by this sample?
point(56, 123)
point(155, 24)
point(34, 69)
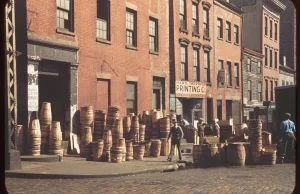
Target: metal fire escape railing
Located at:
point(11, 81)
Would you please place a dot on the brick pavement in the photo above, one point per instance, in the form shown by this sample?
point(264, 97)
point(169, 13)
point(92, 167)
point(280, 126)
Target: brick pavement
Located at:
point(222, 180)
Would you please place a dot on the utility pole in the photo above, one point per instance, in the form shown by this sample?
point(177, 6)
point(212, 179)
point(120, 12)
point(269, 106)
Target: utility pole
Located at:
point(12, 156)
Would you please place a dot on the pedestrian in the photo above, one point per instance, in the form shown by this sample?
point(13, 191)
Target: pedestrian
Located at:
point(200, 127)
point(287, 130)
point(216, 128)
point(176, 134)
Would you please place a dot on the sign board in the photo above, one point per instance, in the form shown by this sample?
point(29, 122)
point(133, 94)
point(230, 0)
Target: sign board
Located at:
point(190, 89)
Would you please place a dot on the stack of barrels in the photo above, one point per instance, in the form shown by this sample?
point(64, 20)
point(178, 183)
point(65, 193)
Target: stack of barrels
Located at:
point(99, 124)
point(138, 151)
point(164, 127)
point(55, 139)
point(34, 138)
point(97, 150)
point(155, 147)
point(117, 132)
point(86, 118)
point(45, 123)
point(155, 124)
point(147, 152)
point(165, 147)
point(129, 151)
point(236, 154)
point(126, 127)
point(255, 138)
point(201, 155)
point(20, 138)
point(86, 140)
point(134, 131)
point(142, 132)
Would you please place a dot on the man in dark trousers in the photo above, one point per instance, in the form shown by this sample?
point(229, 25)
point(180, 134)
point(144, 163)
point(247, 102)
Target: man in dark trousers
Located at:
point(287, 130)
point(176, 135)
point(200, 127)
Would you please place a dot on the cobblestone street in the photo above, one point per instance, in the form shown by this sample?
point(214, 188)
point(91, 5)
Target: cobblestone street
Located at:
point(224, 180)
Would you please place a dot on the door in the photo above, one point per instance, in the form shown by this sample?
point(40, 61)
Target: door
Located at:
point(209, 110)
point(236, 112)
point(156, 99)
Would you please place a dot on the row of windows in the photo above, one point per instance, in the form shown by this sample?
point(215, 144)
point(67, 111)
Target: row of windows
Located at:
point(229, 72)
point(270, 32)
point(249, 66)
point(228, 109)
point(283, 83)
point(269, 58)
point(271, 90)
point(259, 90)
point(228, 31)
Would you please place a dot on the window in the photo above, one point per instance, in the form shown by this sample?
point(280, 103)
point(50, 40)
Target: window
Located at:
point(206, 66)
point(248, 65)
point(64, 14)
point(103, 19)
point(275, 60)
point(196, 65)
point(182, 15)
point(276, 32)
point(219, 109)
point(153, 35)
point(249, 90)
point(236, 34)
point(220, 27)
point(131, 28)
point(266, 26)
point(271, 58)
point(229, 75)
point(291, 83)
point(205, 22)
point(266, 56)
point(276, 84)
point(259, 92)
point(271, 90)
point(195, 18)
point(236, 75)
point(271, 29)
point(131, 104)
point(266, 90)
point(228, 109)
point(184, 69)
point(228, 31)
point(258, 67)
point(220, 64)
point(282, 83)
point(287, 83)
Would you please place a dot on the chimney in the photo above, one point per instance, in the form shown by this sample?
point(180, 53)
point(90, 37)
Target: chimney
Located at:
point(284, 60)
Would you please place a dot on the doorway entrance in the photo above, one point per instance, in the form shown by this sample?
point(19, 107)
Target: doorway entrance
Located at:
point(209, 109)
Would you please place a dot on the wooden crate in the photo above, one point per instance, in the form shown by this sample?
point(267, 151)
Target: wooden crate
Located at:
point(213, 139)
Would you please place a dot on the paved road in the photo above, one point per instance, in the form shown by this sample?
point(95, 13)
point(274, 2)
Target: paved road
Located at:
point(224, 180)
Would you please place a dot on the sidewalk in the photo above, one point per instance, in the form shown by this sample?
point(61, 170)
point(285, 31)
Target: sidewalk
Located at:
point(74, 167)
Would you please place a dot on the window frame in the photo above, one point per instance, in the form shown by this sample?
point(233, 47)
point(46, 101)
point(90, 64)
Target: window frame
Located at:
point(259, 91)
point(236, 75)
point(101, 3)
point(236, 34)
point(206, 22)
point(184, 64)
point(196, 19)
point(220, 61)
point(134, 30)
point(196, 67)
point(249, 65)
point(275, 59)
point(271, 29)
point(276, 31)
point(266, 26)
point(206, 64)
point(220, 28)
point(259, 67)
point(155, 36)
point(249, 90)
point(266, 56)
point(70, 15)
point(271, 58)
point(182, 16)
point(229, 74)
point(219, 109)
point(135, 100)
point(228, 31)
point(271, 90)
point(266, 90)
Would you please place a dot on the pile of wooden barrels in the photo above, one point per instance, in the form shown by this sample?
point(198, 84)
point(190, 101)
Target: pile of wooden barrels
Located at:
point(255, 138)
point(45, 123)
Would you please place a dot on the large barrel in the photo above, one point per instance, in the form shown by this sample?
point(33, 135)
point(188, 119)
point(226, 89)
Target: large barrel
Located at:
point(134, 131)
point(164, 127)
point(34, 139)
point(155, 147)
point(117, 132)
point(255, 139)
point(116, 154)
point(236, 155)
point(97, 149)
point(99, 124)
point(112, 115)
point(55, 138)
point(106, 156)
point(129, 151)
point(222, 153)
point(215, 155)
point(155, 117)
point(142, 132)
point(147, 152)
point(107, 137)
point(45, 123)
point(20, 139)
point(126, 127)
point(121, 143)
point(201, 155)
point(86, 141)
point(138, 151)
point(45, 114)
point(268, 157)
point(87, 115)
point(165, 147)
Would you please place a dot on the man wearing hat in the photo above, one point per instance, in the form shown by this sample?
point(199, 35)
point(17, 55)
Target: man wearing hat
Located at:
point(287, 130)
point(176, 135)
point(216, 128)
point(200, 126)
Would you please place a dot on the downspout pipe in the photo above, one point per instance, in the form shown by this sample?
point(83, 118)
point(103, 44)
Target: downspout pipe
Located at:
point(242, 72)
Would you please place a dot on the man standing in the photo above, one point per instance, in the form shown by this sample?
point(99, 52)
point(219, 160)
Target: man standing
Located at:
point(200, 126)
point(287, 130)
point(216, 128)
point(176, 135)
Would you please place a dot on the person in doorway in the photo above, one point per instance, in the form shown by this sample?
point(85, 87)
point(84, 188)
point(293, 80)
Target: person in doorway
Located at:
point(176, 134)
point(216, 128)
point(200, 127)
point(287, 130)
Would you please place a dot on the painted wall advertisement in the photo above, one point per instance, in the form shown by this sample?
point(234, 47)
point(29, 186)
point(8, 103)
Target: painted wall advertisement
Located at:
point(33, 89)
point(190, 89)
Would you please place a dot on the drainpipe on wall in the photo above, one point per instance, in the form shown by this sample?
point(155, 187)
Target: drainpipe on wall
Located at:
point(242, 77)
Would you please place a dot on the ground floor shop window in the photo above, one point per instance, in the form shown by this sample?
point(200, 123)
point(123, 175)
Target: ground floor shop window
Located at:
point(131, 104)
point(219, 109)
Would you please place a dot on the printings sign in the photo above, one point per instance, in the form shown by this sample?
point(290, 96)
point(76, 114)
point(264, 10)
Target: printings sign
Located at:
point(190, 89)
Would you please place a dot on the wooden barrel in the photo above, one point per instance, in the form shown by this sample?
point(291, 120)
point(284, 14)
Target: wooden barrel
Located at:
point(266, 138)
point(55, 138)
point(117, 132)
point(45, 114)
point(268, 157)
point(164, 127)
point(147, 152)
point(129, 151)
point(142, 131)
point(164, 147)
point(121, 143)
point(134, 131)
point(201, 155)
point(155, 147)
point(112, 115)
point(215, 155)
point(236, 155)
point(155, 117)
point(106, 155)
point(116, 154)
point(20, 139)
point(34, 139)
point(222, 152)
point(99, 124)
point(97, 149)
point(87, 115)
point(107, 137)
point(87, 135)
point(138, 152)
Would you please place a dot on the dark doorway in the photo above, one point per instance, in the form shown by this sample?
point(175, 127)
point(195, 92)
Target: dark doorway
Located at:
point(156, 99)
point(54, 88)
point(209, 110)
point(158, 94)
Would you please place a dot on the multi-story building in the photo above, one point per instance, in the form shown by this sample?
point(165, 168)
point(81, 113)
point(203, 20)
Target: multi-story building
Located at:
point(252, 82)
point(106, 53)
point(194, 89)
point(286, 74)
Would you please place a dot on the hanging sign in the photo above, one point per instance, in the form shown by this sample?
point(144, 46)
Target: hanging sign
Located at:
point(190, 89)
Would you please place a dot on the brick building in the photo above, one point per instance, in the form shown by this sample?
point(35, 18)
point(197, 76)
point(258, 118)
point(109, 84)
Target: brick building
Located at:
point(106, 53)
point(194, 76)
point(286, 74)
